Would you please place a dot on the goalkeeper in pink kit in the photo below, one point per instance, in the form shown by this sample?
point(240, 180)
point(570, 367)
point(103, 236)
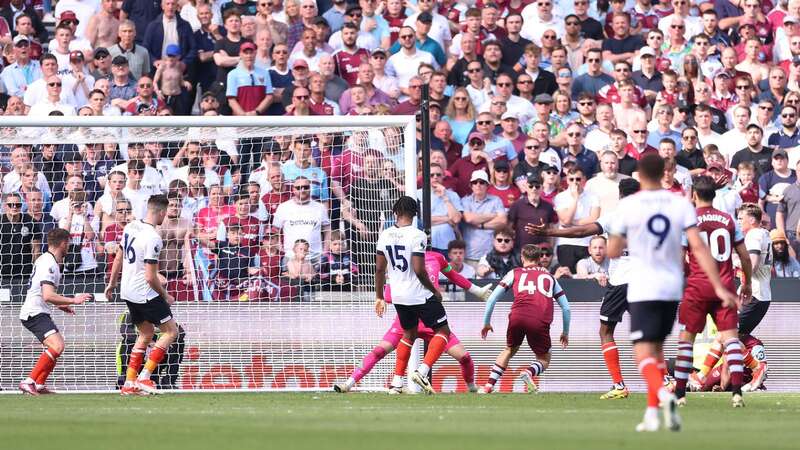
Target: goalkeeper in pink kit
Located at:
point(434, 263)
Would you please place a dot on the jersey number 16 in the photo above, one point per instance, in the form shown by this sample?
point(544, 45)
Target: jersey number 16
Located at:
point(127, 247)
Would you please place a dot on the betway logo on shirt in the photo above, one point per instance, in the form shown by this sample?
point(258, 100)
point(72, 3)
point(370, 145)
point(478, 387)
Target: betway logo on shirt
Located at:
point(302, 222)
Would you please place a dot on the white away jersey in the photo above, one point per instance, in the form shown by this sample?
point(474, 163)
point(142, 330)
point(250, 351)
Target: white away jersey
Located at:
point(141, 244)
point(45, 271)
point(653, 223)
point(618, 268)
point(398, 245)
point(758, 243)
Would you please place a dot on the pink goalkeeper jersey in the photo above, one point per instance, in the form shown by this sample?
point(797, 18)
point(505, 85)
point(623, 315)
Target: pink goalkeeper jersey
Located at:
point(434, 263)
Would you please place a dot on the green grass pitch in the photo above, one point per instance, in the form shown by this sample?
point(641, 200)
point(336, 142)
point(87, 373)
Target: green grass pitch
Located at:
point(325, 421)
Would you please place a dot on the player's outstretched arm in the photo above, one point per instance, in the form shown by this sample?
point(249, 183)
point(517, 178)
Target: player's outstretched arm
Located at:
point(576, 231)
point(50, 295)
point(709, 266)
point(456, 278)
point(487, 312)
point(747, 272)
point(566, 314)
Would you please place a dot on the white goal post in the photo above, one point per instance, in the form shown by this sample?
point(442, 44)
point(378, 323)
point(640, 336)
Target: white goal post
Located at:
point(300, 327)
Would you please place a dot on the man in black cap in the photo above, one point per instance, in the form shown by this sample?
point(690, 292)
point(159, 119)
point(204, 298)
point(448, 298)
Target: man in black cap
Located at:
point(422, 29)
point(530, 208)
point(102, 64)
point(123, 88)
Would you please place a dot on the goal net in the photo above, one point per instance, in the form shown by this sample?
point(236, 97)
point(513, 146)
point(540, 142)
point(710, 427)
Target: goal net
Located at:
point(269, 242)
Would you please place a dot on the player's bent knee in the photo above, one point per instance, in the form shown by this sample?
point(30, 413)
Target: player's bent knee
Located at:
point(55, 349)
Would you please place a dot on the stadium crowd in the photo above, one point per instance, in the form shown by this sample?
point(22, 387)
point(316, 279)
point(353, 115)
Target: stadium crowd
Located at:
point(538, 110)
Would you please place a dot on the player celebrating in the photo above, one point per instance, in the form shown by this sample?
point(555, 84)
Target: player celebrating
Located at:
point(615, 300)
point(415, 297)
point(434, 264)
point(530, 318)
point(720, 232)
point(651, 224)
point(35, 313)
point(147, 298)
point(759, 247)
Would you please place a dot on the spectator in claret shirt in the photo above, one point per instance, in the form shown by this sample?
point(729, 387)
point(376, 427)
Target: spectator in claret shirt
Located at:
point(476, 159)
point(249, 89)
point(412, 103)
point(112, 234)
point(375, 96)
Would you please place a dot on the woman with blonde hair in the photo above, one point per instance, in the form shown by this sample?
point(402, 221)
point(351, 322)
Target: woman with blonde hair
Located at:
point(562, 113)
point(460, 114)
point(294, 21)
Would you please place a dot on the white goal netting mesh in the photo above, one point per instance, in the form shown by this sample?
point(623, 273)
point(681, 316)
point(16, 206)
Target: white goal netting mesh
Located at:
point(268, 246)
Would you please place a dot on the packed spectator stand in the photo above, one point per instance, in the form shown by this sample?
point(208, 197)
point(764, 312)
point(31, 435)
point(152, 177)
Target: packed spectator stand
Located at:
point(538, 109)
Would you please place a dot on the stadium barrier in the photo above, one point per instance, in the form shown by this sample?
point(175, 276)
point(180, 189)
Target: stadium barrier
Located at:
point(310, 345)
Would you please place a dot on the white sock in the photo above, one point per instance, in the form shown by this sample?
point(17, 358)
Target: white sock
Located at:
point(651, 413)
point(144, 375)
point(423, 369)
point(29, 380)
point(664, 395)
point(397, 381)
point(350, 382)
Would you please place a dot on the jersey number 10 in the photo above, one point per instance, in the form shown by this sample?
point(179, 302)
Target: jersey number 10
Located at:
point(720, 248)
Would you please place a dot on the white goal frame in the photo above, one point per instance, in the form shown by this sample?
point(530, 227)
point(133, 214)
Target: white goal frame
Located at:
point(31, 130)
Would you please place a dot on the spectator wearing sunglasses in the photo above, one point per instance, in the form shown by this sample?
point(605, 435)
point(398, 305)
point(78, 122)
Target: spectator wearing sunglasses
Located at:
point(483, 214)
point(446, 211)
point(531, 208)
point(20, 238)
point(502, 258)
point(575, 206)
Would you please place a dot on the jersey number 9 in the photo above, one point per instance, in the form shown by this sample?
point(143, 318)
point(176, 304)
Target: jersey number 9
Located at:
point(659, 226)
point(127, 246)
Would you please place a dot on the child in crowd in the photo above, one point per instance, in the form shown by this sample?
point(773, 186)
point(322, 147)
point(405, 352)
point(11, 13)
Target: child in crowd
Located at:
point(338, 268)
point(298, 268)
point(746, 184)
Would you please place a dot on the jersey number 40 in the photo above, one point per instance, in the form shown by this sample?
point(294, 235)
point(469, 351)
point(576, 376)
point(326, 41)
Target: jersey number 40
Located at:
point(543, 285)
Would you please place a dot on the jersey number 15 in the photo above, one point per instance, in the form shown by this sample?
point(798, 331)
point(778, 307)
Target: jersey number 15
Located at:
point(397, 258)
